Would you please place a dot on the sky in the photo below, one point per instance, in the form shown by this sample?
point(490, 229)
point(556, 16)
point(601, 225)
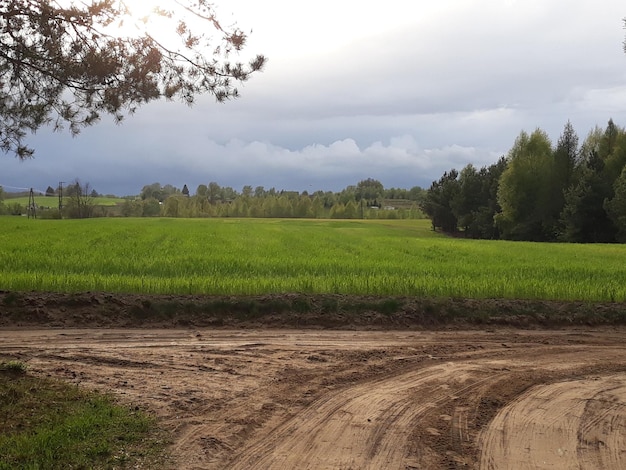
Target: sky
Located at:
point(399, 91)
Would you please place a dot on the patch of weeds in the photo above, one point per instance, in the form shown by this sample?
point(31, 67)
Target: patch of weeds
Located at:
point(453, 311)
point(167, 309)
point(242, 309)
point(330, 306)
point(481, 317)
point(50, 424)
point(617, 317)
point(217, 307)
point(11, 299)
point(190, 308)
point(301, 305)
point(275, 306)
point(246, 310)
point(435, 312)
point(139, 312)
point(429, 309)
point(389, 306)
point(359, 307)
point(13, 367)
point(148, 310)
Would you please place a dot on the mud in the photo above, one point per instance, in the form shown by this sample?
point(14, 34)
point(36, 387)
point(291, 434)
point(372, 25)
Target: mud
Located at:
point(490, 398)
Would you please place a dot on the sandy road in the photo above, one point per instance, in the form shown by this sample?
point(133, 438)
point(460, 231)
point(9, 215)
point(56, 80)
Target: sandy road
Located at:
point(287, 399)
point(571, 424)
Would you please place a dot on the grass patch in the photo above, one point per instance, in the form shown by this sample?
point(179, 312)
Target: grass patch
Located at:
point(13, 367)
point(46, 424)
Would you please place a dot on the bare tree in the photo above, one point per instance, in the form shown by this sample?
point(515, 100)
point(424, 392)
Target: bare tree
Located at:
point(80, 201)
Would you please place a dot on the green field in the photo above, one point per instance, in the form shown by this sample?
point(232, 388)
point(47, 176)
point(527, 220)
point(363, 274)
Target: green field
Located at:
point(261, 256)
point(53, 201)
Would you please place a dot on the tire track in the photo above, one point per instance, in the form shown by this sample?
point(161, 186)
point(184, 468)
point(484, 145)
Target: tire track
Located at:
point(367, 426)
point(352, 399)
point(570, 424)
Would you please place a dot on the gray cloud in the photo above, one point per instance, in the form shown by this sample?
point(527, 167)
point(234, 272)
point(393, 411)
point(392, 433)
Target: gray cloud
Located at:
point(415, 90)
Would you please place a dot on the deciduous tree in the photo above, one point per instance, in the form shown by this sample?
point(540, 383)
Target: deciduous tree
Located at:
point(369, 190)
point(79, 203)
point(524, 189)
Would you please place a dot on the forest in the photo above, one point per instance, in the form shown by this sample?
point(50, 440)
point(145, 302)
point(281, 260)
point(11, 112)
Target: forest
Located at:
point(539, 191)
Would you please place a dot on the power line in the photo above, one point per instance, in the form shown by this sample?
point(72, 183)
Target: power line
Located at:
point(22, 189)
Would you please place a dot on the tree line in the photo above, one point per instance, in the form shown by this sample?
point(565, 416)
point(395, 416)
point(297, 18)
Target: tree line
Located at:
point(367, 199)
point(539, 191)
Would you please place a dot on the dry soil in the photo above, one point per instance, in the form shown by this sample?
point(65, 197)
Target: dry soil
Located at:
point(496, 398)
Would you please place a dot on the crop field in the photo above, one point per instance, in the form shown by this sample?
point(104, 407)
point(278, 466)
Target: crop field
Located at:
point(263, 256)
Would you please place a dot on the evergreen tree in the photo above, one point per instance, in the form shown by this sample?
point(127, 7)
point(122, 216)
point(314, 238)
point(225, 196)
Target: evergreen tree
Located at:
point(583, 218)
point(566, 159)
point(439, 200)
point(616, 207)
point(476, 204)
point(468, 199)
point(60, 64)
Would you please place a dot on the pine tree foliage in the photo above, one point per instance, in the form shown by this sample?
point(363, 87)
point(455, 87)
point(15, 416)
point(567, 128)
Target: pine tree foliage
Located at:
point(66, 63)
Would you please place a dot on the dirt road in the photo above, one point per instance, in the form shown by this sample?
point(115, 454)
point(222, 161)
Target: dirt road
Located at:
point(294, 399)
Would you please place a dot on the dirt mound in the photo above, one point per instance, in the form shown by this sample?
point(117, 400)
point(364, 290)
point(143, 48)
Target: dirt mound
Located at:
point(294, 311)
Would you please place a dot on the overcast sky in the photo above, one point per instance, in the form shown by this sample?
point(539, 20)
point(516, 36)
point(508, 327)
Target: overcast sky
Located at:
point(399, 91)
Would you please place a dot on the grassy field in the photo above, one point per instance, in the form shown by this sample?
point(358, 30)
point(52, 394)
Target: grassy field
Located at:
point(260, 256)
point(53, 201)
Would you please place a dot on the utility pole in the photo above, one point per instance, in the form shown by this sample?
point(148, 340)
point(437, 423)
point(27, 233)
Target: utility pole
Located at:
point(31, 205)
point(61, 196)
